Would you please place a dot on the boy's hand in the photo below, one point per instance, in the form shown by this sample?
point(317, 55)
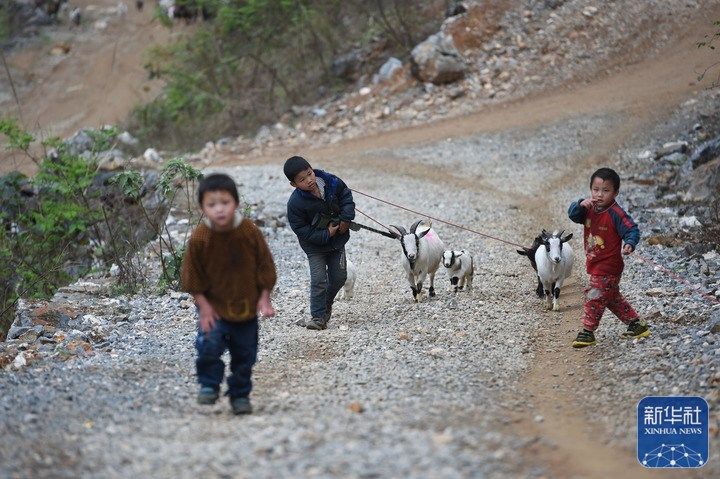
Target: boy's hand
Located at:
point(627, 249)
point(264, 306)
point(344, 227)
point(208, 316)
point(333, 229)
point(587, 203)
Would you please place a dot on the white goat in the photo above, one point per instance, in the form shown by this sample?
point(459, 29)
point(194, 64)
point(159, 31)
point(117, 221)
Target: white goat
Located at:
point(422, 253)
point(554, 259)
point(460, 267)
point(348, 289)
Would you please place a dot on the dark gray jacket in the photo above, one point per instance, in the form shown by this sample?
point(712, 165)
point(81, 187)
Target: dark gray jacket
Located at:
point(302, 208)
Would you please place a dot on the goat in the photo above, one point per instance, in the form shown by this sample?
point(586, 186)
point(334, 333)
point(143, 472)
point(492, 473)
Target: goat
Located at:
point(530, 253)
point(348, 289)
point(422, 253)
point(460, 267)
point(554, 259)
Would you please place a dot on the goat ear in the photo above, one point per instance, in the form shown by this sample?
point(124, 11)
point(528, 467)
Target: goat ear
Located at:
point(567, 238)
point(424, 233)
point(521, 252)
point(415, 225)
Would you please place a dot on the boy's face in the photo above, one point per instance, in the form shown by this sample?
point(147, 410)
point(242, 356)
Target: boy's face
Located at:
point(219, 206)
point(305, 180)
point(603, 193)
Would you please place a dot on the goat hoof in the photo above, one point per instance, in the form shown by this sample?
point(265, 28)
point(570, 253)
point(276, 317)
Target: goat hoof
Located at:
point(556, 307)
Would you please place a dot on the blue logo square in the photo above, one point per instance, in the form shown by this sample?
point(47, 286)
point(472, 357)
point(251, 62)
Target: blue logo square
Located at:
point(673, 431)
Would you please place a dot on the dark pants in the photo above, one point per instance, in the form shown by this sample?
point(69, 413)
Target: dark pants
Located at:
point(241, 339)
point(328, 272)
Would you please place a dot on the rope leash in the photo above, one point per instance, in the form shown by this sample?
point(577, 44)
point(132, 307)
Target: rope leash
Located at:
point(370, 218)
point(656, 266)
point(432, 218)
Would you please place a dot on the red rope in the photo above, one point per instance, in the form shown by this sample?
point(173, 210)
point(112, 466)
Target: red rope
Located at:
point(678, 278)
point(434, 219)
point(371, 218)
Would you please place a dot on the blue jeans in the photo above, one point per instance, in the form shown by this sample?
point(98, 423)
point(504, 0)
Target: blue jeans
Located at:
point(241, 338)
point(328, 272)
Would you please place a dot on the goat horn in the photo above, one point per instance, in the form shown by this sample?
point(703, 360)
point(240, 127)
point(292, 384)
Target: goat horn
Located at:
point(414, 226)
point(400, 229)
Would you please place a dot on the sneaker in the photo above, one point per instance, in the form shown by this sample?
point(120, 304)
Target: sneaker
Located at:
point(207, 395)
point(315, 324)
point(637, 329)
point(241, 405)
point(584, 338)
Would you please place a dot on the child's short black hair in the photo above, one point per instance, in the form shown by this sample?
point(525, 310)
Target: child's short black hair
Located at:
point(217, 182)
point(607, 174)
point(295, 165)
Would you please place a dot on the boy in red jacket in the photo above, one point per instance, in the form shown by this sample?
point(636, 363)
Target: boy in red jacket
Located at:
point(607, 227)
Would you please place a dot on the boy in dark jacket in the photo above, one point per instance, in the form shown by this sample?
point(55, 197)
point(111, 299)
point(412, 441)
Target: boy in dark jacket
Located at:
point(607, 227)
point(319, 212)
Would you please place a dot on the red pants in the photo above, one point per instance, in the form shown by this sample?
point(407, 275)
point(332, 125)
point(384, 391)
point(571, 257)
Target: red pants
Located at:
point(604, 292)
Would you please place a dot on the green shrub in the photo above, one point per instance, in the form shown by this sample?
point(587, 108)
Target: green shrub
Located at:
point(57, 234)
point(256, 58)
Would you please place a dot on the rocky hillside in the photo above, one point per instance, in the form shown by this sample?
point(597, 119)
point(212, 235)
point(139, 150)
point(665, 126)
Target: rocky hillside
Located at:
point(489, 53)
point(479, 384)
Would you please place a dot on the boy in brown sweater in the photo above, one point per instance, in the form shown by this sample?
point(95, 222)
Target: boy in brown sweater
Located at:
point(230, 272)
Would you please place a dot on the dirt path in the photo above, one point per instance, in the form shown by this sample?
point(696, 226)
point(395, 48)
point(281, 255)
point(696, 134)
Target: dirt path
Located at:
point(574, 444)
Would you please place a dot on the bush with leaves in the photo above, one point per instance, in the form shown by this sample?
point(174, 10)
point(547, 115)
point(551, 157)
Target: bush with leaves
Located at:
point(43, 220)
point(257, 58)
point(70, 217)
point(177, 184)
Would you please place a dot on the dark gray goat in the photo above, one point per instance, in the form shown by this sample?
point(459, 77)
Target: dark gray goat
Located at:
point(530, 253)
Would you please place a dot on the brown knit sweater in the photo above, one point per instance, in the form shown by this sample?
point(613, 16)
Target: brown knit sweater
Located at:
point(230, 268)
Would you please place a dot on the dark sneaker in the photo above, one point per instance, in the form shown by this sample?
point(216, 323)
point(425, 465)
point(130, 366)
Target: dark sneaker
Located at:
point(241, 405)
point(584, 338)
point(207, 395)
point(315, 324)
point(637, 329)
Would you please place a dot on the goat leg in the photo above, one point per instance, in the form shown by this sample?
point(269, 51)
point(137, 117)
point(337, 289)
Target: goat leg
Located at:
point(548, 297)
